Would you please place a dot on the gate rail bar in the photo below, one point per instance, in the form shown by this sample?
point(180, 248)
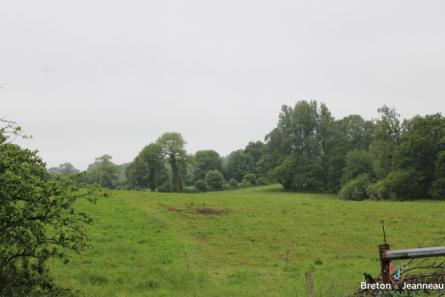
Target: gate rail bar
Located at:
point(414, 253)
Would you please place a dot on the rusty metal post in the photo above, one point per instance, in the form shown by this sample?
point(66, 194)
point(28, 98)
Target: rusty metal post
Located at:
point(385, 263)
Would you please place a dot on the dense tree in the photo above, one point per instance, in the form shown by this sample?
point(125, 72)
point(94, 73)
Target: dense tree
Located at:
point(37, 220)
point(403, 160)
point(358, 162)
point(103, 172)
point(237, 165)
point(437, 189)
point(64, 169)
point(300, 144)
point(214, 179)
point(206, 161)
point(250, 179)
point(385, 139)
point(148, 168)
point(255, 152)
point(200, 185)
point(172, 145)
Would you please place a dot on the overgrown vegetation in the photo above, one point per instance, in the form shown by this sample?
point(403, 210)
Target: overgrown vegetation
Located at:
point(309, 150)
point(38, 220)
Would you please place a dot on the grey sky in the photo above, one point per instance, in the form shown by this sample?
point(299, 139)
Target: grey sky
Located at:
point(88, 77)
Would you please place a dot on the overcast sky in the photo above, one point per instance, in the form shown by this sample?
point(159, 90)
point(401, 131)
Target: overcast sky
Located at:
point(89, 77)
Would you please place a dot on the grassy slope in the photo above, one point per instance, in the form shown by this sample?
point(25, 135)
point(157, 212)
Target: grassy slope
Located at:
point(262, 246)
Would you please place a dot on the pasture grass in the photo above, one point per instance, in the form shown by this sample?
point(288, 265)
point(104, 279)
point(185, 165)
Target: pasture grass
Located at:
point(250, 242)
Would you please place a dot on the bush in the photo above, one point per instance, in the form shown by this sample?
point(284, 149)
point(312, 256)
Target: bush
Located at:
point(262, 181)
point(380, 191)
point(249, 178)
point(166, 187)
point(356, 189)
point(243, 185)
point(399, 184)
point(358, 162)
point(233, 183)
point(190, 189)
point(200, 185)
point(437, 189)
point(214, 179)
point(226, 187)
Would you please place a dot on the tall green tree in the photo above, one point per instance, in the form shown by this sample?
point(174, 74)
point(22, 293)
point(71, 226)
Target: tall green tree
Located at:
point(172, 144)
point(64, 169)
point(103, 172)
point(148, 168)
point(237, 165)
point(205, 161)
point(255, 152)
point(385, 140)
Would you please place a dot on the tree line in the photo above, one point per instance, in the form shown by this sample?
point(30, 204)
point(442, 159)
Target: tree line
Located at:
point(309, 150)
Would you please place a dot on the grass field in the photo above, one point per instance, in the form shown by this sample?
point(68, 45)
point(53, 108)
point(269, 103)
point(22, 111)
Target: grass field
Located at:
point(251, 242)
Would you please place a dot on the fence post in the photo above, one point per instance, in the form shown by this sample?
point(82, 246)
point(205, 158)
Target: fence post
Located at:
point(385, 263)
point(310, 284)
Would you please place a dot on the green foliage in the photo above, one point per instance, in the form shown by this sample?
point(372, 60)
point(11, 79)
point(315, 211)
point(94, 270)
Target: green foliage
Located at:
point(148, 168)
point(38, 221)
point(65, 169)
point(166, 187)
point(233, 183)
point(285, 172)
point(243, 185)
point(103, 172)
point(437, 189)
point(385, 140)
point(200, 185)
point(262, 181)
point(172, 145)
point(206, 161)
point(249, 178)
point(358, 162)
point(255, 152)
point(380, 191)
point(309, 148)
point(214, 180)
point(237, 165)
point(398, 184)
point(304, 147)
point(356, 189)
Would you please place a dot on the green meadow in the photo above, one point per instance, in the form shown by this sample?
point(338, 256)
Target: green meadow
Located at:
point(251, 242)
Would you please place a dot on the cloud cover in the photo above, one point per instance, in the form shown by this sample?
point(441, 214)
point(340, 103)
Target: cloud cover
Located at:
point(93, 77)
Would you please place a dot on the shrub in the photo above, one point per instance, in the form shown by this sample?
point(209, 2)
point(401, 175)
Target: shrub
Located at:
point(190, 189)
point(200, 185)
point(399, 184)
point(262, 181)
point(358, 162)
point(437, 189)
point(233, 183)
point(214, 179)
point(226, 187)
point(249, 178)
point(356, 189)
point(243, 185)
point(380, 191)
point(166, 187)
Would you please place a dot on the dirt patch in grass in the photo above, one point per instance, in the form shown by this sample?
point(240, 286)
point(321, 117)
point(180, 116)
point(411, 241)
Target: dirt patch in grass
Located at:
point(210, 211)
point(204, 210)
